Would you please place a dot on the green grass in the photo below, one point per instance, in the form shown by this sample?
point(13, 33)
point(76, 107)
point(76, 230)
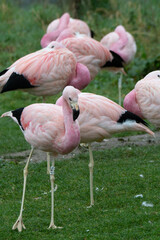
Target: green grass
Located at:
point(116, 214)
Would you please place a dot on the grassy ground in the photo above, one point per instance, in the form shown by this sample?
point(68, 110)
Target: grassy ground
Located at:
point(116, 214)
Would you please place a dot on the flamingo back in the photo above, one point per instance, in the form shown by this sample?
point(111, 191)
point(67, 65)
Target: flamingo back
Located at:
point(98, 117)
point(89, 52)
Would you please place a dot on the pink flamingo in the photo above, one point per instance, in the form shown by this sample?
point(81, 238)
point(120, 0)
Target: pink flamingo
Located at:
point(45, 72)
point(52, 129)
point(57, 26)
point(100, 118)
point(87, 50)
point(121, 43)
point(144, 99)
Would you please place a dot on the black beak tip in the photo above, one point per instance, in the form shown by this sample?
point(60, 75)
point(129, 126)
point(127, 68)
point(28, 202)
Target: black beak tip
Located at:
point(75, 114)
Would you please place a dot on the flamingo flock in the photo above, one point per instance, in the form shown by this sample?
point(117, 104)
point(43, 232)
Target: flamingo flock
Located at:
point(68, 61)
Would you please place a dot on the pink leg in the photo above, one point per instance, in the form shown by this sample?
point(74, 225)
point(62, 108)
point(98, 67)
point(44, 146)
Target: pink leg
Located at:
point(52, 178)
point(91, 165)
point(19, 223)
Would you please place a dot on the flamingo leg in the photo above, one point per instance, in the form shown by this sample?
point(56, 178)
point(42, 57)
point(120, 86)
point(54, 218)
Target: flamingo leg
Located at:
point(19, 223)
point(48, 163)
point(91, 165)
point(120, 88)
point(52, 178)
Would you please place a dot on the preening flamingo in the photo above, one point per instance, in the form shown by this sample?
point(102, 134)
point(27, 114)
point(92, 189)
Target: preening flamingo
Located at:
point(100, 118)
point(45, 72)
point(58, 25)
point(88, 51)
point(121, 43)
point(51, 128)
point(144, 99)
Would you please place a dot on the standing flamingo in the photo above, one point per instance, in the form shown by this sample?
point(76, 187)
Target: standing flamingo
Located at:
point(144, 99)
point(87, 50)
point(121, 44)
point(52, 129)
point(65, 21)
point(45, 72)
point(100, 118)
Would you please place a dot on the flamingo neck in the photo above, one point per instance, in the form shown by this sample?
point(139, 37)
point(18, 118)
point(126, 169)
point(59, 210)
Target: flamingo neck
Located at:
point(47, 38)
point(82, 77)
point(130, 104)
point(71, 137)
point(119, 46)
point(67, 33)
point(52, 36)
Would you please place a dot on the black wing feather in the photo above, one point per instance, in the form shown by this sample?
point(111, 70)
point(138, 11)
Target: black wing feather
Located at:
point(116, 62)
point(3, 72)
point(131, 116)
point(17, 114)
point(16, 81)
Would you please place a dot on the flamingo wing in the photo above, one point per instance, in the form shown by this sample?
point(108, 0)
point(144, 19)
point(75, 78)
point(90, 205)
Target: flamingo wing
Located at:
point(46, 71)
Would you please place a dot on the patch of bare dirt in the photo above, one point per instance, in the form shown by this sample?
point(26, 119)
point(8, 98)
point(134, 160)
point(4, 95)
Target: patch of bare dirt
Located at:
point(138, 140)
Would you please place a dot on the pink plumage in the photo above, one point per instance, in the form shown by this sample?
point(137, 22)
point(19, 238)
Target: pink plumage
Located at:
point(99, 119)
point(76, 25)
point(88, 51)
point(60, 24)
point(45, 72)
point(51, 128)
point(121, 42)
point(144, 99)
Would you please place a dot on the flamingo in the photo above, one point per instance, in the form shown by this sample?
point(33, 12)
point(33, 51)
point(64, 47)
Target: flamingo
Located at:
point(51, 128)
point(144, 99)
point(65, 21)
point(123, 46)
point(99, 119)
point(45, 72)
point(88, 51)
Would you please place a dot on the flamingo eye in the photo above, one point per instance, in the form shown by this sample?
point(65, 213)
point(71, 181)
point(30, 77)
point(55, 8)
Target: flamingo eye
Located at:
point(70, 99)
point(158, 76)
point(52, 46)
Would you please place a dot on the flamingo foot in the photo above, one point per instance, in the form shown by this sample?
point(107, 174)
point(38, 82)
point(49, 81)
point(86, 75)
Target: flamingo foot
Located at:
point(53, 226)
point(19, 225)
point(85, 145)
point(90, 205)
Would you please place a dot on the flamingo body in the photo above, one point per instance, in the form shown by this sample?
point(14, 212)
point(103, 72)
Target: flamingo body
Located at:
point(144, 99)
point(100, 118)
point(50, 128)
point(88, 51)
point(45, 72)
point(65, 22)
point(121, 42)
point(45, 126)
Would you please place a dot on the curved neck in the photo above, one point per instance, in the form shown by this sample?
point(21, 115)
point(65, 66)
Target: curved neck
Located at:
point(52, 36)
point(71, 137)
point(49, 37)
point(82, 77)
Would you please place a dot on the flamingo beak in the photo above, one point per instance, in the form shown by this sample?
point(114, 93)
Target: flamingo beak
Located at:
point(75, 109)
